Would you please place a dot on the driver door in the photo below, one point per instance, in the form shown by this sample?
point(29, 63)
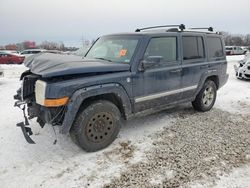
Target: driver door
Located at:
point(160, 81)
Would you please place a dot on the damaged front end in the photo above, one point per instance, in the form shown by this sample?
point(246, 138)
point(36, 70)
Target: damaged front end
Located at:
point(243, 70)
point(30, 98)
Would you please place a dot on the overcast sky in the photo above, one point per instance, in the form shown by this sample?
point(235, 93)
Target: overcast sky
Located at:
point(71, 20)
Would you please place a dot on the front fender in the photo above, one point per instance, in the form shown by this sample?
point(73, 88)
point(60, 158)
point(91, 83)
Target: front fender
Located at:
point(80, 95)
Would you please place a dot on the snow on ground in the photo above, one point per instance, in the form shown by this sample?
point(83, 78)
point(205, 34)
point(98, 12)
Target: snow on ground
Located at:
point(12, 71)
point(235, 95)
point(66, 165)
point(234, 58)
point(44, 164)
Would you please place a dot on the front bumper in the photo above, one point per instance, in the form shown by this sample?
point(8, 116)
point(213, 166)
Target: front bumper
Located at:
point(26, 130)
point(242, 72)
point(52, 115)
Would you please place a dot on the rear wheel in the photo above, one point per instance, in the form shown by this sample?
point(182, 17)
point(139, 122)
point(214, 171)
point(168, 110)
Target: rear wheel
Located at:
point(205, 99)
point(96, 126)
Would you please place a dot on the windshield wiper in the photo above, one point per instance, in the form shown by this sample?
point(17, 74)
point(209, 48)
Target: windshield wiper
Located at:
point(103, 59)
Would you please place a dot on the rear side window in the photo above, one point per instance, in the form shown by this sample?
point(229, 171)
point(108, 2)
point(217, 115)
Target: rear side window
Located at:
point(164, 47)
point(214, 47)
point(193, 47)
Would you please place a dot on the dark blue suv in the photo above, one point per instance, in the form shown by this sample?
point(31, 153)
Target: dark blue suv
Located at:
point(121, 76)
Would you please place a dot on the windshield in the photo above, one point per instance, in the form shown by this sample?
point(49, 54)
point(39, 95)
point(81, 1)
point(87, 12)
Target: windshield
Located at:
point(119, 49)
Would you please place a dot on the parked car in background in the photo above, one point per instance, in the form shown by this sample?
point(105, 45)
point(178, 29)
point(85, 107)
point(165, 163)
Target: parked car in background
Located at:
point(234, 50)
point(30, 52)
point(53, 51)
point(243, 69)
point(11, 58)
point(10, 51)
point(245, 48)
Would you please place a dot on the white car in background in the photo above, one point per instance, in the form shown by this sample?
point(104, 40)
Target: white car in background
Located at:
point(245, 48)
point(11, 51)
point(30, 52)
point(243, 70)
point(234, 50)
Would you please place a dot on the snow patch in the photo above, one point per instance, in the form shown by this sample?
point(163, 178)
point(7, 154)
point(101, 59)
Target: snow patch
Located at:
point(12, 71)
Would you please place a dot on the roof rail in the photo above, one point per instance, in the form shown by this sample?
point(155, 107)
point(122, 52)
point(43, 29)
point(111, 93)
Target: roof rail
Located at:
point(181, 27)
point(206, 28)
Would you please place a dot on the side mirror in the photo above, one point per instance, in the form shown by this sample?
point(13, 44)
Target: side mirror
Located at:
point(150, 61)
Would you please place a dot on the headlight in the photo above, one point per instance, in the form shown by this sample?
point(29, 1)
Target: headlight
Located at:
point(40, 91)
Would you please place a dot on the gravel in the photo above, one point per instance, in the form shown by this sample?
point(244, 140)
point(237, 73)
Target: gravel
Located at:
point(196, 147)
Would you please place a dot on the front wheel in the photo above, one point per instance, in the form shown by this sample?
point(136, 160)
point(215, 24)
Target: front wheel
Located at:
point(205, 99)
point(96, 126)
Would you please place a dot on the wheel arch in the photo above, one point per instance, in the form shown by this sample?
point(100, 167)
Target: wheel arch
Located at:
point(114, 93)
point(209, 75)
point(111, 97)
point(215, 79)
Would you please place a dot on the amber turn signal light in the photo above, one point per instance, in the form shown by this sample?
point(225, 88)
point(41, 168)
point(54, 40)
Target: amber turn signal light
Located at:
point(56, 102)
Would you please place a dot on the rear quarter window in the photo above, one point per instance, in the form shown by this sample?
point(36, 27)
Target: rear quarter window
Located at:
point(215, 48)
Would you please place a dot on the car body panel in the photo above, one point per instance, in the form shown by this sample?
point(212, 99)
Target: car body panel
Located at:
point(83, 94)
point(157, 83)
point(52, 65)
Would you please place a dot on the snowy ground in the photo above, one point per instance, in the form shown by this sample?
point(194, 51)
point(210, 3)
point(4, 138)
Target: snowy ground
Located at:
point(65, 165)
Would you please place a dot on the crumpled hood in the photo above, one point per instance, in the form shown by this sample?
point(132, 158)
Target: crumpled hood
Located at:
point(50, 65)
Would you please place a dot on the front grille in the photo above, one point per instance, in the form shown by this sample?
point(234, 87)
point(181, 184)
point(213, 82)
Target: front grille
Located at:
point(28, 86)
point(247, 75)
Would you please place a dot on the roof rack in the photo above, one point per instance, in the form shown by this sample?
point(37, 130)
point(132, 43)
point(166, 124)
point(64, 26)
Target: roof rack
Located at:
point(181, 27)
point(206, 28)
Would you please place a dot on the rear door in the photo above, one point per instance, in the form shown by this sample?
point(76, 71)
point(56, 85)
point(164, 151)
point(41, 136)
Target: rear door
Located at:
point(194, 62)
point(160, 82)
point(216, 55)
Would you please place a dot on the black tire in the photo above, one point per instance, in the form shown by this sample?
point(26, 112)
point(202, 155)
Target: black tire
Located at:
point(205, 99)
point(96, 126)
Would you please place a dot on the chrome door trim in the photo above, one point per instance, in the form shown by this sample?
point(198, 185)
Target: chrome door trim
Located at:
point(164, 94)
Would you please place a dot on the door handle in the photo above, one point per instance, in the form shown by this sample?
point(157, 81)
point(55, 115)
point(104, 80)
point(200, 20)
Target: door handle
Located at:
point(176, 71)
